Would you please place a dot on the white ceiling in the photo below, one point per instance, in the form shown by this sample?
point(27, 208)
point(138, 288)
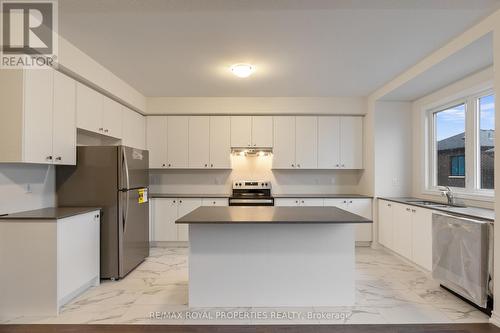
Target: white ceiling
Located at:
point(472, 58)
point(300, 48)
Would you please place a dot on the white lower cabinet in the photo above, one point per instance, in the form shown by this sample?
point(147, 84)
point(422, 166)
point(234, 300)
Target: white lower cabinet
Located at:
point(407, 230)
point(361, 207)
point(214, 202)
point(284, 202)
point(421, 230)
point(402, 230)
point(165, 212)
point(47, 262)
point(385, 224)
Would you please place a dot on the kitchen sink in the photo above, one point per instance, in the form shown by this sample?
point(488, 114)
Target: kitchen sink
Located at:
point(432, 204)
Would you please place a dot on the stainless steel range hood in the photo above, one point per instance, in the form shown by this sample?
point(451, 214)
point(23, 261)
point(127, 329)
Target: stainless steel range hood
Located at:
point(251, 152)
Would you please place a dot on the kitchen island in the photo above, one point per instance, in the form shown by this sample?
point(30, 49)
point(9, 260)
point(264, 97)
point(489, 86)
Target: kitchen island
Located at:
point(271, 256)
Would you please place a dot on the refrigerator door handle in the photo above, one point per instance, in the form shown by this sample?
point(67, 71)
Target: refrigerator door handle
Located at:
point(125, 164)
point(125, 214)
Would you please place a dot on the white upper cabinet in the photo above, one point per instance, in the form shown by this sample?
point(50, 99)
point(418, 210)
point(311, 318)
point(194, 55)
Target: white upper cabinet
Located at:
point(241, 131)
point(38, 105)
point(199, 142)
point(251, 131)
point(306, 143)
point(328, 142)
point(112, 118)
point(157, 141)
point(37, 108)
point(284, 142)
point(177, 141)
point(89, 105)
point(64, 125)
point(220, 142)
point(351, 138)
point(262, 131)
point(134, 129)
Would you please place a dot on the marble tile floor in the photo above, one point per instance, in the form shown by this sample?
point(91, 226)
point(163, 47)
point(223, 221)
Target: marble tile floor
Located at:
point(389, 291)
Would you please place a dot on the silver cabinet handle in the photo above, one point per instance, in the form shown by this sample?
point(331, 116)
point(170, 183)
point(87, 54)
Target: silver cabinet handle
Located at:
point(350, 201)
point(180, 201)
point(174, 201)
point(337, 165)
point(101, 129)
point(414, 210)
point(343, 165)
point(293, 165)
point(58, 158)
point(298, 165)
point(211, 165)
point(389, 205)
point(169, 165)
point(206, 165)
point(163, 165)
point(408, 209)
point(296, 201)
point(49, 158)
point(302, 201)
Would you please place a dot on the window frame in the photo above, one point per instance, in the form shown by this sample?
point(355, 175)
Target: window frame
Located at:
point(472, 189)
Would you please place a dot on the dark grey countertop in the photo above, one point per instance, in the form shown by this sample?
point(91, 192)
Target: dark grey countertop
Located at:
point(180, 195)
point(279, 195)
point(262, 215)
point(473, 212)
point(52, 213)
point(328, 196)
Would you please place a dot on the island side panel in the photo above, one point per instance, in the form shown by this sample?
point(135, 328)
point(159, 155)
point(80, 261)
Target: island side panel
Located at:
point(271, 265)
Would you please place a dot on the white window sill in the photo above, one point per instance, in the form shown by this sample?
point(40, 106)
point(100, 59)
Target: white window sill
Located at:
point(486, 196)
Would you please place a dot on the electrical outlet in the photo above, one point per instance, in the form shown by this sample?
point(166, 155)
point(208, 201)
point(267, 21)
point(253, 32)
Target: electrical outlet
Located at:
point(395, 181)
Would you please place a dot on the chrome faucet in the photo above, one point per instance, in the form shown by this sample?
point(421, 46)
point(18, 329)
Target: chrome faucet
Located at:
point(446, 191)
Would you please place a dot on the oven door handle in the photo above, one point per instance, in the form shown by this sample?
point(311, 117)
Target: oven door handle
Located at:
point(247, 201)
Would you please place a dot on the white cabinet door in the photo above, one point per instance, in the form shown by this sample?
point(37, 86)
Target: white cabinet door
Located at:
point(64, 120)
point(164, 216)
point(38, 105)
point(312, 202)
point(134, 129)
point(88, 109)
point(199, 142)
point(284, 142)
point(362, 207)
point(157, 141)
point(214, 202)
point(328, 142)
point(351, 139)
point(112, 118)
point(402, 230)
point(220, 142)
point(241, 131)
point(286, 202)
point(177, 141)
point(422, 237)
point(306, 142)
point(262, 131)
point(186, 205)
point(385, 224)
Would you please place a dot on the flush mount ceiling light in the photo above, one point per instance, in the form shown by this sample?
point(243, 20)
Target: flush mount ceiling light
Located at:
point(242, 70)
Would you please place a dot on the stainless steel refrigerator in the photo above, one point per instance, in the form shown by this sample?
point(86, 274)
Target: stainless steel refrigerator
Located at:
point(115, 178)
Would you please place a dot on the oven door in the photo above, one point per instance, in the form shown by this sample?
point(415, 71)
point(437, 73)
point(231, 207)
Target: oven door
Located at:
point(251, 202)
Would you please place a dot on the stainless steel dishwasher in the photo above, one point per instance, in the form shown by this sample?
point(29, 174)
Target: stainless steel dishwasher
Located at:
point(462, 256)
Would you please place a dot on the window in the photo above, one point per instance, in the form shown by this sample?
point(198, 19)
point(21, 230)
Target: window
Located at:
point(486, 140)
point(450, 136)
point(462, 145)
point(457, 166)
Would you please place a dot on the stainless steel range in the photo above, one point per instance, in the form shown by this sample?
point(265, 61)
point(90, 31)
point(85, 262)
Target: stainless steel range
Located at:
point(251, 193)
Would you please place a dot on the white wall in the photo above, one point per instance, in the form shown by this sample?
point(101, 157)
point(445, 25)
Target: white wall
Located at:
point(14, 179)
point(87, 69)
point(249, 168)
point(470, 84)
point(393, 149)
point(255, 105)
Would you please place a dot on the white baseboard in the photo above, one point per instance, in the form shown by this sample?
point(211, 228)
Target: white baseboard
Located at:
point(495, 318)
